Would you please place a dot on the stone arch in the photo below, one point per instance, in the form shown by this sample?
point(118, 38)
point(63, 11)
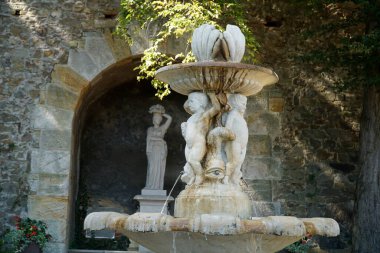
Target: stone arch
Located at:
point(102, 63)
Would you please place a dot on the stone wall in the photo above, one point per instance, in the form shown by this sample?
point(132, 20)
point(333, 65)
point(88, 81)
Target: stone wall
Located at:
point(302, 155)
point(305, 158)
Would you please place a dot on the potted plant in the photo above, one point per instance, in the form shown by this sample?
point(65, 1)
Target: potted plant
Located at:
point(30, 236)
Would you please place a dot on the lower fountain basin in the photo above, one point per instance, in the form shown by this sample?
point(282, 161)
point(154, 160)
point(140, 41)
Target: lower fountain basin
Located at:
point(211, 233)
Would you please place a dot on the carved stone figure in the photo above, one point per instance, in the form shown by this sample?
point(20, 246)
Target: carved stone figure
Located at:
point(195, 131)
point(156, 148)
point(215, 165)
point(236, 149)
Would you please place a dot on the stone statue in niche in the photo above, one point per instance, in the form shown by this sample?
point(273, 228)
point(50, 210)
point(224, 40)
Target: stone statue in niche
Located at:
point(156, 148)
point(236, 149)
point(195, 132)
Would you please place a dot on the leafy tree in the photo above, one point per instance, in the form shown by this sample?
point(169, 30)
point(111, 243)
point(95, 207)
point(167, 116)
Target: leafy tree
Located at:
point(178, 19)
point(353, 49)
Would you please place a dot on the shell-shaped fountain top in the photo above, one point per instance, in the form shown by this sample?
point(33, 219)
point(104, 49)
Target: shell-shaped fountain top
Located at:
point(210, 44)
point(218, 68)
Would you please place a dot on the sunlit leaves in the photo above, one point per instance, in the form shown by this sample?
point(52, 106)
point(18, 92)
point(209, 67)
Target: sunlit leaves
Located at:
point(178, 19)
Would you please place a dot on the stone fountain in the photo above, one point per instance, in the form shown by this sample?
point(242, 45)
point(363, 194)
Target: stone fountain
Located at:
point(213, 213)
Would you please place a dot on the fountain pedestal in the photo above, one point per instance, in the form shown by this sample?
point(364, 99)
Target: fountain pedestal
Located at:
point(215, 198)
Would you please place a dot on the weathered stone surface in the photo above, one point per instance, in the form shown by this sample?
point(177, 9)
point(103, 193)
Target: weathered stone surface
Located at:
point(120, 49)
point(46, 161)
point(258, 103)
point(47, 117)
point(99, 51)
point(82, 63)
point(57, 229)
point(276, 104)
point(265, 123)
point(284, 190)
point(260, 190)
point(65, 75)
point(59, 97)
point(53, 185)
point(46, 207)
point(260, 145)
point(56, 247)
point(261, 168)
point(264, 208)
point(55, 139)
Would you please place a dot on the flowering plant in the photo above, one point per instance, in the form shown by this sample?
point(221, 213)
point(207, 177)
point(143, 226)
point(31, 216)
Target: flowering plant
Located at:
point(27, 231)
point(302, 246)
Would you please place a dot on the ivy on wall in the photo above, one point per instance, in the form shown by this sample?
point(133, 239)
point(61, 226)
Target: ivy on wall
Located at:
point(178, 19)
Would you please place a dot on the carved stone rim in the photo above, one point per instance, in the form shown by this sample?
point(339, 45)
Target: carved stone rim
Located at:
point(228, 77)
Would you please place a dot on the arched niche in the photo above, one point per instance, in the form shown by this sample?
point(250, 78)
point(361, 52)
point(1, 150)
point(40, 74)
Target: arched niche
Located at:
point(109, 138)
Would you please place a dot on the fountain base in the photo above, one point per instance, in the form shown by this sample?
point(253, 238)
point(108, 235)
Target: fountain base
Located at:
point(211, 233)
point(213, 198)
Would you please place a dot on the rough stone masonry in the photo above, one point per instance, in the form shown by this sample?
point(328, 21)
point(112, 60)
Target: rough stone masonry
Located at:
point(302, 154)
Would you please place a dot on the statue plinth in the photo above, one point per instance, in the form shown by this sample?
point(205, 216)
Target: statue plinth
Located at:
point(153, 201)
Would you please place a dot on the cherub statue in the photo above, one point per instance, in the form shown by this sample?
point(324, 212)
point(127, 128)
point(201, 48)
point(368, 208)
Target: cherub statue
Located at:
point(236, 149)
point(195, 131)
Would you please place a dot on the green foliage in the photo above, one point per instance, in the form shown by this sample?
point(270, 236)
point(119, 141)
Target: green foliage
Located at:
point(81, 241)
point(353, 30)
point(301, 246)
point(179, 19)
point(27, 231)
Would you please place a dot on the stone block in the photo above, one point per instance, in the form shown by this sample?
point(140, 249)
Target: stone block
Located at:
point(119, 47)
point(153, 192)
point(263, 209)
point(20, 53)
point(65, 75)
point(140, 40)
point(258, 102)
point(286, 190)
point(261, 168)
point(55, 247)
point(55, 140)
point(47, 207)
point(99, 51)
point(264, 124)
point(46, 161)
point(259, 145)
point(53, 185)
point(33, 181)
point(82, 63)
point(8, 118)
point(62, 98)
point(294, 208)
point(276, 104)
point(46, 117)
point(260, 190)
point(57, 229)
point(105, 23)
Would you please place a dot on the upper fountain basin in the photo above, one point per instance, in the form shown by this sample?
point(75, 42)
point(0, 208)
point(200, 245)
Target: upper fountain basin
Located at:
point(208, 76)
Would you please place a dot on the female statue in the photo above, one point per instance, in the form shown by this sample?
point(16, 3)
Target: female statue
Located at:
point(156, 149)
